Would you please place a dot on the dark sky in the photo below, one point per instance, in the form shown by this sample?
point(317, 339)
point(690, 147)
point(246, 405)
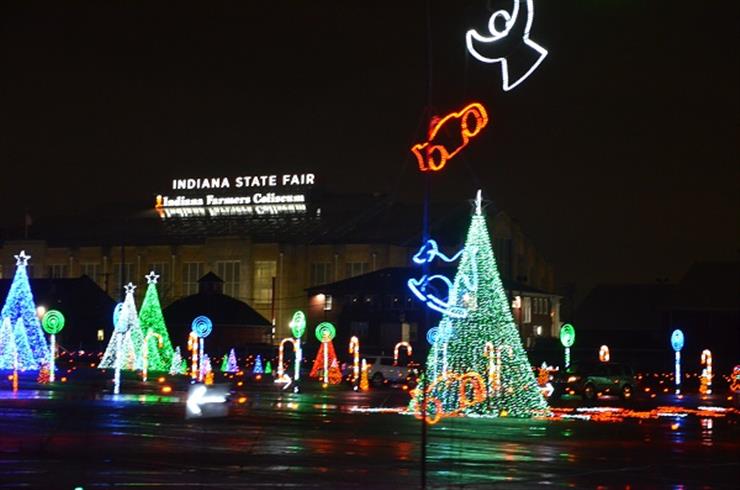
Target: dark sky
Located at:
point(619, 156)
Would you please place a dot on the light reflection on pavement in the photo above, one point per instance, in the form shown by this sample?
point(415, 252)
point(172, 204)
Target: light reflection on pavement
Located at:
point(325, 440)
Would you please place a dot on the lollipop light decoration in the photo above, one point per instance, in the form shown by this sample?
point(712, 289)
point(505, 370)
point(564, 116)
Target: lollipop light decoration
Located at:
point(677, 344)
point(326, 359)
point(202, 326)
point(567, 338)
point(298, 327)
point(52, 323)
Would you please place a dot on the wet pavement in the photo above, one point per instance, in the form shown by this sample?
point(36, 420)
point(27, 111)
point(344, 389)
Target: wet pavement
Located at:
point(319, 439)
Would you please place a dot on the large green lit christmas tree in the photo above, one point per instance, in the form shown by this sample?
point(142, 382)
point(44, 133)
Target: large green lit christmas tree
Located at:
point(150, 317)
point(477, 364)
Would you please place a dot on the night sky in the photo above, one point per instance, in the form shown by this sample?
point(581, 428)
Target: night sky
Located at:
point(618, 157)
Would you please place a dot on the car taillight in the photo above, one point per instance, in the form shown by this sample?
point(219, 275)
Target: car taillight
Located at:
point(573, 379)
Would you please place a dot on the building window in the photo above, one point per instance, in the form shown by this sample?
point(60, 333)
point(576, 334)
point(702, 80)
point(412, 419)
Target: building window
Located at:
point(320, 273)
point(538, 330)
point(58, 271)
point(353, 269)
point(119, 280)
point(526, 309)
point(228, 270)
point(191, 272)
point(165, 277)
point(101, 335)
point(91, 270)
point(360, 329)
point(264, 271)
point(328, 300)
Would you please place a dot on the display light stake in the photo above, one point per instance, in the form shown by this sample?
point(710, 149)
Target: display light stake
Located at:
point(52, 323)
point(706, 374)
point(677, 340)
point(354, 348)
point(364, 384)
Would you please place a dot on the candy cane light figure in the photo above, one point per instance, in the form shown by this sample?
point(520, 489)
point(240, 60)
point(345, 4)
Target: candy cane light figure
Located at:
point(406, 345)
point(604, 353)
point(193, 348)
point(281, 376)
point(354, 348)
point(706, 373)
point(145, 351)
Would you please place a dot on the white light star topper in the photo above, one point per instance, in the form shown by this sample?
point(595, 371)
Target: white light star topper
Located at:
point(151, 278)
point(129, 288)
point(516, 25)
point(22, 258)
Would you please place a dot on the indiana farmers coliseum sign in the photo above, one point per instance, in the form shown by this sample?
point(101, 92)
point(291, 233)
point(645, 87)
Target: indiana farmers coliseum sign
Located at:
point(234, 196)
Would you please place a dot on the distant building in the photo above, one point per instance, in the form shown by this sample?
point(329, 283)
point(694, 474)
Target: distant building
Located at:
point(379, 309)
point(268, 256)
point(636, 320)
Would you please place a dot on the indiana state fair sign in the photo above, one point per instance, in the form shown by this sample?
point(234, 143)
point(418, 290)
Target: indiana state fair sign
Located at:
point(234, 196)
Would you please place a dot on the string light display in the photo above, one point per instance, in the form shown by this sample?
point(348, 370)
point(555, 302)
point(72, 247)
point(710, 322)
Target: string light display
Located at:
point(53, 323)
point(677, 344)
point(24, 355)
point(258, 368)
point(177, 360)
point(229, 364)
point(127, 336)
point(705, 386)
point(432, 155)
point(458, 355)
point(430, 251)
point(405, 345)
point(150, 317)
point(364, 382)
point(325, 366)
point(604, 355)
point(735, 380)
point(517, 25)
point(8, 351)
point(20, 304)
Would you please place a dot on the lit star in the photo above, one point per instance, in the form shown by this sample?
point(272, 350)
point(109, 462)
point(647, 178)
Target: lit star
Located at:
point(129, 288)
point(152, 277)
point(22, 258)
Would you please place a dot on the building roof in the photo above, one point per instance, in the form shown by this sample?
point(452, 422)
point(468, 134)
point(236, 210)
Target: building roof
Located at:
point(330, 218)
point(220, 308)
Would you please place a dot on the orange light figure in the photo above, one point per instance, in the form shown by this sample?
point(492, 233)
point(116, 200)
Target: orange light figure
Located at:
point(354, 348)
point(433, 155)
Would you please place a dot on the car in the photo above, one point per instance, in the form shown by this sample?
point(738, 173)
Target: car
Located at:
point(592, 379)
point(466, 124)
point(382, 370)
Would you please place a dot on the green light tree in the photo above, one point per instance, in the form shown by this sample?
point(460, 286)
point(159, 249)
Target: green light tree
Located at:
point(477, 364)
point(150, 317)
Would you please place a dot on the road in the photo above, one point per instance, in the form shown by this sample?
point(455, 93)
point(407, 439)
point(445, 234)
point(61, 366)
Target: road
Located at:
point(316, 439)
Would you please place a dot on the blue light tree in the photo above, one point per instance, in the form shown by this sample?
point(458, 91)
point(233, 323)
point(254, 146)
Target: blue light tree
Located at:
point(7, 345)
point(20, 304)
point(25, 356)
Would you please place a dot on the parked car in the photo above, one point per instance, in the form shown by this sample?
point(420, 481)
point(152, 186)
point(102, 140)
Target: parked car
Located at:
point(382, 370)
point(595, 378)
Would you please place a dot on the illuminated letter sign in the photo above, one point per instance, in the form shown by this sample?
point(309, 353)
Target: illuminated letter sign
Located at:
point(488, 49)
point(432, 154)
